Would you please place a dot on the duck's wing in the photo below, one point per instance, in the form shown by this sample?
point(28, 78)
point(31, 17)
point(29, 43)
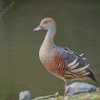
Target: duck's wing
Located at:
point(76, 65)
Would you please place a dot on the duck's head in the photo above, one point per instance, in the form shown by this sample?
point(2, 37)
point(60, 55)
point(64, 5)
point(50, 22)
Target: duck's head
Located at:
point(46, 23)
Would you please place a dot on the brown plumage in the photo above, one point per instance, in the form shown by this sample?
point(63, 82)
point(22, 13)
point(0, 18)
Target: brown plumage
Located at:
point(56, 65)
point(59, 61)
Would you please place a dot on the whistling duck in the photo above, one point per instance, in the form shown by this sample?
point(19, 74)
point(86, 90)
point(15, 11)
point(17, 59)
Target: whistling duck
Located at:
point(59, 61)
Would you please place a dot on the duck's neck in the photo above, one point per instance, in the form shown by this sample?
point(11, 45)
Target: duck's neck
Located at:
point(47, 45)
point(49, 38)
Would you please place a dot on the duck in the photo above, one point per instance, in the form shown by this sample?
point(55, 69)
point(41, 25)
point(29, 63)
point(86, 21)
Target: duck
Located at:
point(61, 61)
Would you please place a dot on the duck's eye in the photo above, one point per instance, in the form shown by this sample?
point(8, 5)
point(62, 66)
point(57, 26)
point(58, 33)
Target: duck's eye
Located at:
point(45, 22)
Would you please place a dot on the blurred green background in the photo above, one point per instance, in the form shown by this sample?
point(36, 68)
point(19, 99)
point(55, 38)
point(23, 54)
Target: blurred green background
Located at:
point(78, 27)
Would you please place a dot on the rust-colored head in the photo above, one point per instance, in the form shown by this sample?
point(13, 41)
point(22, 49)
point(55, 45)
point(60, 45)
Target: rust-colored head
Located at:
point(46, 23)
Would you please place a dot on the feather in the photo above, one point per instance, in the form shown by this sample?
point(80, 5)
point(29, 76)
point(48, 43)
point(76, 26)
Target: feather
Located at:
point(72, 63)
point(74, 66)
point(79, 69)
point(84, 58)
point(81, 72)
point(81, 54)
point(85, 74)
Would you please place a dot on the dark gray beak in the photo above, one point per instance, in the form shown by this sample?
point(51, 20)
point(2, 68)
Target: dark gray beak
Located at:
point(38, 28)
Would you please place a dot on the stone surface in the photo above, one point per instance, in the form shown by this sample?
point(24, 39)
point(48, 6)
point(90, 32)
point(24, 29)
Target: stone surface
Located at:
point(79, 87)
point(80, 96)
point(24, 95)
point(51, 97)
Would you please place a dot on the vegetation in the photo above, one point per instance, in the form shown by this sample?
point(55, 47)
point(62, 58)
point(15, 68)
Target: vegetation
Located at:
point(81, 96)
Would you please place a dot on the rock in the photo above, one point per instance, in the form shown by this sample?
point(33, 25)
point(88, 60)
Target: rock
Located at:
point(25, 95)
point(81, 96)
point(79, 87)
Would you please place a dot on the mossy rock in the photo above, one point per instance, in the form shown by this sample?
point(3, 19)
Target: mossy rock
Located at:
point(81, 96)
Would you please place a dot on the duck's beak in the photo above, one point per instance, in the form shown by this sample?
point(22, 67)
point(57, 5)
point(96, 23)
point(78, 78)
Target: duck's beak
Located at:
point(38, 28)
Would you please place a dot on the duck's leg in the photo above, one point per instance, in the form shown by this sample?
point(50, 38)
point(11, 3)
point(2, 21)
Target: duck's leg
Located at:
point(65, 88)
